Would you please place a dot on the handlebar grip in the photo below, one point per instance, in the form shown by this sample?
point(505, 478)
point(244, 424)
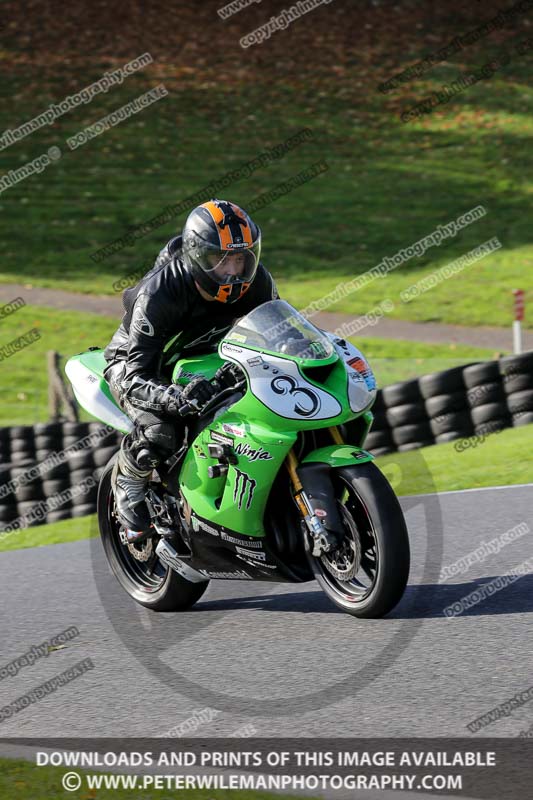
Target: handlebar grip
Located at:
point(185, 409)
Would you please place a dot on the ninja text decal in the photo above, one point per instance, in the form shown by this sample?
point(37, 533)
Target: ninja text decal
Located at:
point(252, 454)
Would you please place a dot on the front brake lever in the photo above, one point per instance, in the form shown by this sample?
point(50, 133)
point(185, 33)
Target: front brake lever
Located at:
point(229, 390)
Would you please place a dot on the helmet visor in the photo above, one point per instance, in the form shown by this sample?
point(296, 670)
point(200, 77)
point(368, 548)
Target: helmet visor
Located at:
point(230, 266)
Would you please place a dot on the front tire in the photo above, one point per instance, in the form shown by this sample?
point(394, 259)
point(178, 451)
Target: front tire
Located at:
point(145, 578)
point(367, 576)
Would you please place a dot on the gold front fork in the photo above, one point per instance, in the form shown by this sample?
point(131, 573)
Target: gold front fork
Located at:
point(291, 462)
point(335, 435)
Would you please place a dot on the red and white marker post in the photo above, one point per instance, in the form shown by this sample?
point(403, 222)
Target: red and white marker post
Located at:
point(519, 307)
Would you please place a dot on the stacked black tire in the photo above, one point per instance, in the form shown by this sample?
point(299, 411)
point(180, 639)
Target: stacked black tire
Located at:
point(8, 501)
point(517, 380)
point(407, 416)
point(24, 447)
point(486, 398)
point(446, 404)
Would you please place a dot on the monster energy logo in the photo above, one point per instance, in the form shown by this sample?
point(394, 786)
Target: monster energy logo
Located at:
point(244, 485)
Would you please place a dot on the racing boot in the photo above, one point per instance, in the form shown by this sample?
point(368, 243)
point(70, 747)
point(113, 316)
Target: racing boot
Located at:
point(129, 480)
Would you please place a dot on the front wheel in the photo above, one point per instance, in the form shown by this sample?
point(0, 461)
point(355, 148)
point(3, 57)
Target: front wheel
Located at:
point(136, 566)
point(367, 575)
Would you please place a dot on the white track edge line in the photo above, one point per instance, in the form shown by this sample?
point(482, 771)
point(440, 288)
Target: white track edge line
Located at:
point(478, 489)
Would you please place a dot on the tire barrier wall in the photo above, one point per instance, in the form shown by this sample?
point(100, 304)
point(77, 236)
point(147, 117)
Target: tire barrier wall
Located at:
point(471, 400)
point(66, 461)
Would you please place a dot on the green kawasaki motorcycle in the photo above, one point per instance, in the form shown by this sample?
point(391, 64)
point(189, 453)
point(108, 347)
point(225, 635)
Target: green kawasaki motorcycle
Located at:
point(271, 482)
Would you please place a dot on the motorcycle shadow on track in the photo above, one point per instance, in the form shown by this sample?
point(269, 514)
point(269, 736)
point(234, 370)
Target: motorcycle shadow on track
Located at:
point(431, 600)
point(313, 602)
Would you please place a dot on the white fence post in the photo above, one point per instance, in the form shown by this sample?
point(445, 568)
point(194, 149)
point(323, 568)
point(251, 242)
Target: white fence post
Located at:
point(518, 317)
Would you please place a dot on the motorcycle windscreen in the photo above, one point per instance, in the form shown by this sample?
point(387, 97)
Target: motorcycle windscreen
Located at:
point(277, 327)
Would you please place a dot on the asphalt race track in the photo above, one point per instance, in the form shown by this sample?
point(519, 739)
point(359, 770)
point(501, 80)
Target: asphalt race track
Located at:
point(277, 656)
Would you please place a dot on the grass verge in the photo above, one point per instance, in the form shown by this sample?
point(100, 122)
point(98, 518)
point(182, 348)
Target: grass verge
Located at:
point(68, 530)
point(501, 459)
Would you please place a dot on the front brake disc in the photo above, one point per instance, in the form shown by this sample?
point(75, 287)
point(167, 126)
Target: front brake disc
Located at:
point(344, 562)
point(142, 551)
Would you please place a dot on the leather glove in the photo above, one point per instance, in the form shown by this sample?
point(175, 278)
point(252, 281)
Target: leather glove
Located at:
point(197, 393)
point(172, 399)
point(228, 374)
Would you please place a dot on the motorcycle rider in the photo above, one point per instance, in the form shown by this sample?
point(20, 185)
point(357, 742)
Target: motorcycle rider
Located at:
point(201, 282)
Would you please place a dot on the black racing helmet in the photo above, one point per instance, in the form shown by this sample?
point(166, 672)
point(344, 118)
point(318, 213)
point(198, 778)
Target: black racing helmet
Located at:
point(221, 249)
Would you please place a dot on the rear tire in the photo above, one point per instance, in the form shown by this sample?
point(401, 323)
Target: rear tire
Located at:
point(163, 589)
point(370, 503)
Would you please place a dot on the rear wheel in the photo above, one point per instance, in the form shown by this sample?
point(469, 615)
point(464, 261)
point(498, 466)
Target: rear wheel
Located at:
point(136, 566)
point(368, 574)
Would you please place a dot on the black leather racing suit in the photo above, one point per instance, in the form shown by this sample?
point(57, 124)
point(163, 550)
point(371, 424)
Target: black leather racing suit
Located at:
point(166, 305)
